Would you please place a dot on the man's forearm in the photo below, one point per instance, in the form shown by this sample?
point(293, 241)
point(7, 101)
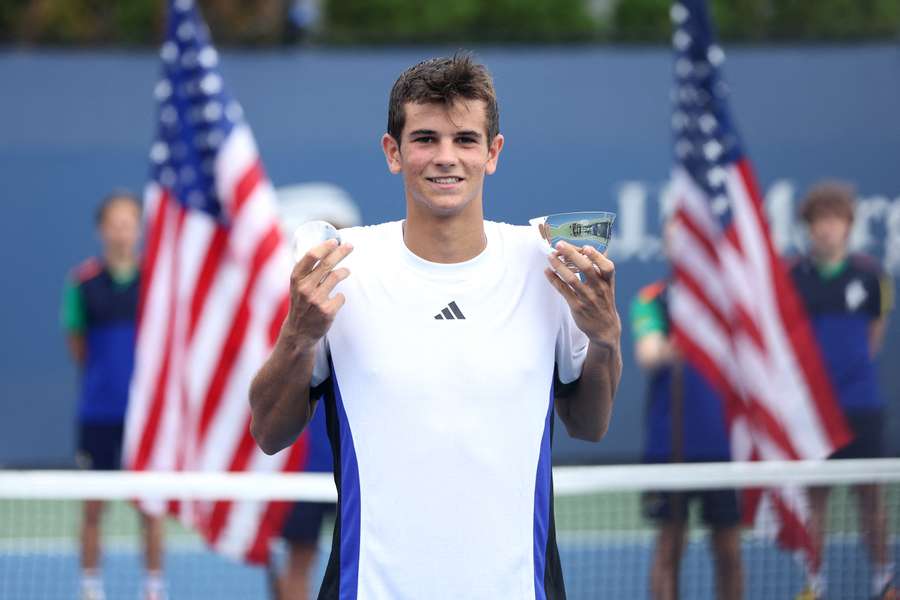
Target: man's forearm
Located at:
point(279, 397)
point(587, 412)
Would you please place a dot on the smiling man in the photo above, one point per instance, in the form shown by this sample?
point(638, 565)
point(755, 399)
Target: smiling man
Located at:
point(441, 346)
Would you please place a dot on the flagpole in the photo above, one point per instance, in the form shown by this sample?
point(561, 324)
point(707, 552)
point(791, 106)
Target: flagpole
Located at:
point(676, 407)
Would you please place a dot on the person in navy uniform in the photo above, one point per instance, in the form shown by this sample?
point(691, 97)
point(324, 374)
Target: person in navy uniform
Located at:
point(684, 422)
point(98, 315)
point(848, 298)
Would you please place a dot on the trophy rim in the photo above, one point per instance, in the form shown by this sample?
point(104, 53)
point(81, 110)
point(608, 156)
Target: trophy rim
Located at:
point(545, 223)
point(597, 213)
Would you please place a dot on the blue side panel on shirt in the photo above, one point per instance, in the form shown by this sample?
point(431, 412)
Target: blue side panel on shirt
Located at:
point(107, 372)
point(319, 459)
point(350, 502)
point(705, 431)
point(844, 341)
point(542, 506)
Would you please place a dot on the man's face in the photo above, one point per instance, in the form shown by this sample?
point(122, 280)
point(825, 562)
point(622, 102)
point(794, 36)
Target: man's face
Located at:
point(444, 156)
point(828, 234)
point(120, 228)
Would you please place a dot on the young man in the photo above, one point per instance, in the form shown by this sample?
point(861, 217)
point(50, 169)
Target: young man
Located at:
point(685, 422)
point(848, 299)
point(437, 355)
point(99, 309)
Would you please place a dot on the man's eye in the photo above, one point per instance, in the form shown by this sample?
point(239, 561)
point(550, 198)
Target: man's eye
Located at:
point(466, 140)
point(425, 139)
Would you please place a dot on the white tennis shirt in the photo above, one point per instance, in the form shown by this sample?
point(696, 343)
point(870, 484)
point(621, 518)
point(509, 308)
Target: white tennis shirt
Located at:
point(438, 388)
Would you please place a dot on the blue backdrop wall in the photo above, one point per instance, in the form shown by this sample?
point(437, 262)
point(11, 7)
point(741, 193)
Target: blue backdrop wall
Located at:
point(586, 128)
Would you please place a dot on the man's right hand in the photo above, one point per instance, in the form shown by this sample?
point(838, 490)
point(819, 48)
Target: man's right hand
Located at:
point(312, 281)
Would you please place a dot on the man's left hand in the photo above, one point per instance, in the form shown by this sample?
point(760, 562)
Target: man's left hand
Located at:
point(593, 300)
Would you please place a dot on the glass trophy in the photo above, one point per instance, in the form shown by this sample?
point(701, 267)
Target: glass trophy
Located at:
point(310, 234)
point(577, 228)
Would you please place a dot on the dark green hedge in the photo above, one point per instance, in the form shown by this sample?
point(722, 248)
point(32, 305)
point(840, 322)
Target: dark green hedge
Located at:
point(263, 22)
point(134, 22)
point(768, 20)
point(465, 20)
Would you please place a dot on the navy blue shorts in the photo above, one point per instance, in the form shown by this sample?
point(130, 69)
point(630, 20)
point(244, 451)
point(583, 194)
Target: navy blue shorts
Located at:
point(868, 435)
point(719, 508)
point(100, 446)
point(304, 521)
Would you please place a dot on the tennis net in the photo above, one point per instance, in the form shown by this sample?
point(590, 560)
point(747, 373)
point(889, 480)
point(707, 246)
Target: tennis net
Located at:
point(606, 540)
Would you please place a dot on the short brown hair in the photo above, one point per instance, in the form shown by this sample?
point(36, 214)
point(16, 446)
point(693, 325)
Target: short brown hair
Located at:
point(112, 198)
point(443, 81)
point(829, 197)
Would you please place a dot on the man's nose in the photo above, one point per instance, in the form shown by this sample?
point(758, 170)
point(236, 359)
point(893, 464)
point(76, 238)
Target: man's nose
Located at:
point(446, 153)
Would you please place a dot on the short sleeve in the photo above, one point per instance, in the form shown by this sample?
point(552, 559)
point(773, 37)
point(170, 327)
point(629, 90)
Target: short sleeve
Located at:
point(321, 367)
point(571, 348)
point(647, 317)
point(72, 313)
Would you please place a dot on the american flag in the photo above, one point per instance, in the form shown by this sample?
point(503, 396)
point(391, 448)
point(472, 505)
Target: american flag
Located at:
point(735, 313)
point(213, 296)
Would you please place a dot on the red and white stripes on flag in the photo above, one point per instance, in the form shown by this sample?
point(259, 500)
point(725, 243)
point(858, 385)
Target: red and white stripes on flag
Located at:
point(734, 312)
point(736, 316)
point(213, 298)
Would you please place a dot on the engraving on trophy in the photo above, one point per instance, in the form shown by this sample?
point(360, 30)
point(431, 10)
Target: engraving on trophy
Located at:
point(577, 228)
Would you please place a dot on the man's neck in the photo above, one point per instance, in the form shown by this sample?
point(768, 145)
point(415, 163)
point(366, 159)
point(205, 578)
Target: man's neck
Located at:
point(451, 239)
point(120, 263)
point(830, 265)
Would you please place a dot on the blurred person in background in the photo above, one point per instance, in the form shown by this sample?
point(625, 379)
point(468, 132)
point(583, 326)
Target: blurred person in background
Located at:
point(685, 422)
point(98, 314)
point(303, 19)
point(848, 298)
point(298, 204)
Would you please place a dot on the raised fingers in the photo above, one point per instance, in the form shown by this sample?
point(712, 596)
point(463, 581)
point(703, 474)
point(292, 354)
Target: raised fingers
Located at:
point(562, 287)
point(307, 280)
point(331, 280)
point(313, 256)
point(333, 304)
point(564, 271)
point(603, 266)
point(330, 260)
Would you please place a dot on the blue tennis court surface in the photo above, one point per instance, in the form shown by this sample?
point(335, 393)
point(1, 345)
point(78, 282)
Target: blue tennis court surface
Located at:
point(596, 567)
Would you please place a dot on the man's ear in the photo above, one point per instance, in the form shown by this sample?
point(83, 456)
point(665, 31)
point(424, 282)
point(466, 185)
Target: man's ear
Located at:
point(391, 153)
point(494, 154)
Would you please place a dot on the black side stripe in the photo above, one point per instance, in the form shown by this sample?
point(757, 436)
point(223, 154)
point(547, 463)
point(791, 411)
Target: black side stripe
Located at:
point(456, 312)
point(446, 313)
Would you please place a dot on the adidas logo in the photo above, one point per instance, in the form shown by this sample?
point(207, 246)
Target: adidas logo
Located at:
point(451, 312)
